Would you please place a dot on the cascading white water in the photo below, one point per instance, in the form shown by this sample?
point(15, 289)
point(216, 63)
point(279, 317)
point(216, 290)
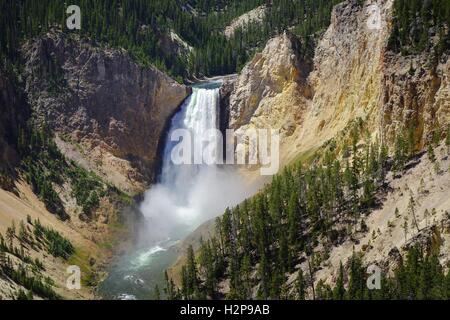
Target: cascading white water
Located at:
point(200, 113)
point(184, 197)
point(188, 195)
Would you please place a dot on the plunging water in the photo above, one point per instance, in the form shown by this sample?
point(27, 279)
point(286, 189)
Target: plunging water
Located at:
point(172, 206)
point(185, 197)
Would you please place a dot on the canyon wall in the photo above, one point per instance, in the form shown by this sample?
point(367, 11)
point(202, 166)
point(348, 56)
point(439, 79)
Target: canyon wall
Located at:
point(353, 77)
point(108, 112)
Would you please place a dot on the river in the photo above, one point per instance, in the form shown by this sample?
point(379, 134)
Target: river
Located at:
point(184, 197)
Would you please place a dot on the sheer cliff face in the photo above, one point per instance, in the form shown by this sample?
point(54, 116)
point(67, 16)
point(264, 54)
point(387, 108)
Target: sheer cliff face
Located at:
point(272, 90)
point(108, 111)
point(415, 95)
point(353, 76)
point(347, 74)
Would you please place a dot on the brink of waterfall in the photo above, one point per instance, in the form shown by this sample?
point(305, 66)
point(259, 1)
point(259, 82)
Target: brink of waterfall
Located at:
point(189, 194)
point(184, 197)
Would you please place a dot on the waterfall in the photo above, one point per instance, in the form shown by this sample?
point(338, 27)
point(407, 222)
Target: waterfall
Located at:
point(184, 197)
point(199, 114)
point(188, 195)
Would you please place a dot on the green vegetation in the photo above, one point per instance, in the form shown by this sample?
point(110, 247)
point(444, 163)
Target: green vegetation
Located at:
point(420, 277)
point(22, 295)
point(24, 277)
point(17, 265)
point(56, 244)
point(327, 201)
point(45, 167)
point(87, 188)
point(219, 55)
point(417, 23)
point(259, 243)
point(447, 140)
point(138, 26)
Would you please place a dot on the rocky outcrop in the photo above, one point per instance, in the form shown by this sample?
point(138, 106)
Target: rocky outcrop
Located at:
point(270, 74)
point(415, 95)
point(108, 111)
point(272, 90)
point(386, 242)
point(226, 89)
point(354, 76)
point(347, 74)
point(171, 43)
point(253, 16)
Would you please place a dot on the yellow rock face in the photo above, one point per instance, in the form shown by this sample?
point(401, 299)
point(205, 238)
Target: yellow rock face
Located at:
point(353, 76)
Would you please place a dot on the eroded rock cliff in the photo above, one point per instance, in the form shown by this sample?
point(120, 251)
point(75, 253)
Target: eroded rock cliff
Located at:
point(415, 94)
point(109, 112)
point(241, 22)
point(272, 90)
point(354, 76)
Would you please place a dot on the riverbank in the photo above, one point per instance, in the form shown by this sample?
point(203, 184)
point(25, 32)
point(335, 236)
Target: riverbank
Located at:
point(176, 205)
point(223, 78)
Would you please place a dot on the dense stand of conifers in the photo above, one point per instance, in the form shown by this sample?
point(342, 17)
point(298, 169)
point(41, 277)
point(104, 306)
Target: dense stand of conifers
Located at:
point(270, 233)
point(259, 243)
point(420, 25)
point(138, 25)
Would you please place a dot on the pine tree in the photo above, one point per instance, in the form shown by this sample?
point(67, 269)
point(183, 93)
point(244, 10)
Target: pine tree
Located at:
point(301, 285)
point(185, 288)
point(2, 258)
point(309, 253)
point(246, 277)
point(405, 228)
point(357, 285)
point(207, 264)
point(157, 293)
point(431, 154)
point(170, 290)
point(351, 180)
point(400, 157)
point(436, 137)
point(422, 189)
point(263, 273)
point(397, 213)
point(23, 233)
point(382, 162)
point(276, 286)
point(285, 255)
point(323, 291)
point(191, 274)
point(412, 211)
point(293, 213)
point(339, 290)
point(11, 233)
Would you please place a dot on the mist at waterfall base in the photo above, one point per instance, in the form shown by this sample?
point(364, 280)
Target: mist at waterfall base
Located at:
point(188, 195)
point(184, 197)
point(174, 213)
